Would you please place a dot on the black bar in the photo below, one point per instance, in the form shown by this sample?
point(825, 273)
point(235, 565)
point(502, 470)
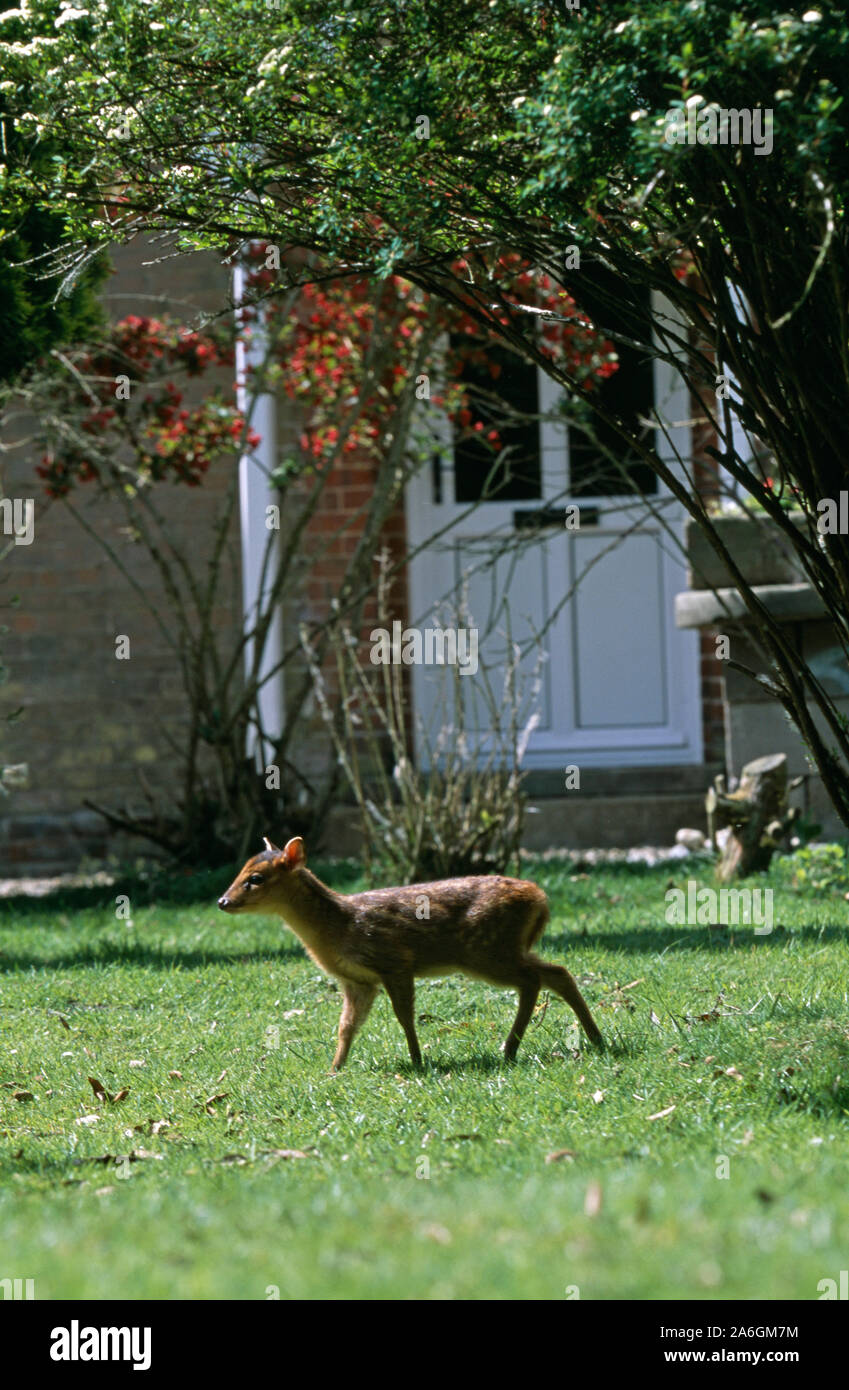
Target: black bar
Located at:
point(436, 476)
point(543, 517)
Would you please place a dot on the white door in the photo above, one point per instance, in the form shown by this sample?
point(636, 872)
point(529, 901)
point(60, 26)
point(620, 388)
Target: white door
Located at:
point(620, 683)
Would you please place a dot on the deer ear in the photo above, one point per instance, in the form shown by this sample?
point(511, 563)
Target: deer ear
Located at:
point(294, 854)
point(272, 849)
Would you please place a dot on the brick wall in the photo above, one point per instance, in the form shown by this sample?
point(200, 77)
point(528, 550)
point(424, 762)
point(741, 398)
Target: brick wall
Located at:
point(330, 541)
point(94, 727)
point(91, 722)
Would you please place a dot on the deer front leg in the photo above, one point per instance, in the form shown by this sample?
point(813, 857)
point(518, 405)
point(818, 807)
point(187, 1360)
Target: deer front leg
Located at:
point(355, 1010)
point(402, 993)
point(528, 995)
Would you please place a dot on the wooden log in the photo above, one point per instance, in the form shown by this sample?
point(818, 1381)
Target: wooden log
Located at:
point(756, 814)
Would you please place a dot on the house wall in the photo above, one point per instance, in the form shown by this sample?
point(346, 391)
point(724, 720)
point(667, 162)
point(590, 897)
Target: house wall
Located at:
point(329, 543)
point(92, 724)
point(95, 728)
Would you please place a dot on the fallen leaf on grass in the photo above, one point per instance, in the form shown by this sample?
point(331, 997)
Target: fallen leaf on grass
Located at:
point(175, 1076)
point(598, 1097)
point(106, 1096)
point(274, 1154)
point(558, 1154)
point(210, 1103)
point(592, 1200)
point(440, 1234)
point(660, 1113)
point(134, 1156)
point(147, 1127)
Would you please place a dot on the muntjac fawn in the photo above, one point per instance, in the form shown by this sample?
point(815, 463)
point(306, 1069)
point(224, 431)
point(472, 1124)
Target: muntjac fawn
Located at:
point(484, 927)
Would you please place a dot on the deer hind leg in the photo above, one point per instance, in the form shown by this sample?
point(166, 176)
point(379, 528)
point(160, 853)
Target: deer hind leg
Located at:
point(355, 1010)
point(402, 993)
point(557, 977)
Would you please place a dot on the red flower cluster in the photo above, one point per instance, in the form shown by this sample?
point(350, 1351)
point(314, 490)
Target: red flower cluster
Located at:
point(332, 357)
point(167, 440)
point(322, 351)
point(323, 359)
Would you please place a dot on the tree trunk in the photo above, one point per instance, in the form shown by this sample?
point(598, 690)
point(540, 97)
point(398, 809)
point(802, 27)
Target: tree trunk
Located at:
point(756, 814)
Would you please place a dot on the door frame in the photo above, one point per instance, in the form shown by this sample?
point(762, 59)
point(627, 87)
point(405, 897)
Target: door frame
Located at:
point(679, 745)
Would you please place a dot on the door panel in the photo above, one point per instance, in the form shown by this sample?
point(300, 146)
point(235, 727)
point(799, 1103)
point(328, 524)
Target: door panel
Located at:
point(516, 582)
point(618, 662)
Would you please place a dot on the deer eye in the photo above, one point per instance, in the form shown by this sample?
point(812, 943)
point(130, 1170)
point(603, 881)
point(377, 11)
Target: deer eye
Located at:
point(256, 880)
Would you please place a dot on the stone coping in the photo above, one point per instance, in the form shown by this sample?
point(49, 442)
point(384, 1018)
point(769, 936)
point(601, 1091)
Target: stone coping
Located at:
point(789, 603)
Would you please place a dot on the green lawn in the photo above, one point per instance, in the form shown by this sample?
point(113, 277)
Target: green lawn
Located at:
point(729, 1053)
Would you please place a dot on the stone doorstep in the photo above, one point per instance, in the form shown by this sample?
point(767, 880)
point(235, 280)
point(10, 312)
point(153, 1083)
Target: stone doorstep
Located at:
point(623, 781)
point(574, 822)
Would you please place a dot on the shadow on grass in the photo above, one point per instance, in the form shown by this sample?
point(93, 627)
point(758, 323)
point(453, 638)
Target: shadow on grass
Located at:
point(67, 1169)
point(489, 1064)
point(652, 940)
point(824, 1102)
point(146, 957)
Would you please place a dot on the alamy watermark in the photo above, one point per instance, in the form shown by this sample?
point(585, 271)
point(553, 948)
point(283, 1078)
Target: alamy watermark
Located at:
point(431, 646)
point(833, 518)
point(726, 907)
point(17, 515)
point(77, 1343)
point(700, 123)
point(19, 1289)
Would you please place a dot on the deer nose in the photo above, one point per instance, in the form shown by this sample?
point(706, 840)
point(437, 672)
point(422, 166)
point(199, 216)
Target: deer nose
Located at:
point(224, 903)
